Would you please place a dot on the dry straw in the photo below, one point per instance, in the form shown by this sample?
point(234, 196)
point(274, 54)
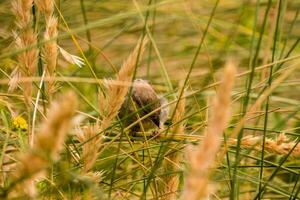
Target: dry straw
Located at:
point(203, 156)
point(48, 144)
point(113, 102)
point(24, 37)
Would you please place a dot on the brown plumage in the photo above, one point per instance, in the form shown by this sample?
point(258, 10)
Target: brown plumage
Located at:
point(143, 101)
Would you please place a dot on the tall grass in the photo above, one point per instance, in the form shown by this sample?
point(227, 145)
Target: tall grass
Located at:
point(57, 146)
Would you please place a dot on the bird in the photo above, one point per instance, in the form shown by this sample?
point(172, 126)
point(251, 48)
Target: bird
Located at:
point(140, 101)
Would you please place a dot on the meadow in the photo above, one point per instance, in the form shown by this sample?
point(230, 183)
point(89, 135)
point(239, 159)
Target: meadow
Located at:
point(149, 99)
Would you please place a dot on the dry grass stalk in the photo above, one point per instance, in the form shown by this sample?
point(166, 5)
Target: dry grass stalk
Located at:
point(114, 100)
point(172, 161)
point(24, 37)
point(46, 148)
point(8, 163)
point(179, 126)
point(267, 50)
point(203, 156)
point(50, 49)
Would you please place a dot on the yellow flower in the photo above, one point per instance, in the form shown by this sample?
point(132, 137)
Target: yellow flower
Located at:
point(20, 123)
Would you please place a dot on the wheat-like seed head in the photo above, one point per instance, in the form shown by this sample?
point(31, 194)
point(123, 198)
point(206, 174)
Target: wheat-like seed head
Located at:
point(50, 50)
point(116, 93)
point(281, 145)
point(24, 37)
point(47, 146)
point(90, 149)
point(22, 12)
point(29, 168)
point(28, 59)
point(115, 98)
point(45, 6)
point(55, 128)
point(15, 78)
point(202, 157)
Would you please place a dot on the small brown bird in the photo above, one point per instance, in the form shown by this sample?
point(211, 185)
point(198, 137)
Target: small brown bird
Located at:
point(143, 101)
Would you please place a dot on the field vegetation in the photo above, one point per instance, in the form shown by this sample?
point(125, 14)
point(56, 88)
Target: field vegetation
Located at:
point(76, 121)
